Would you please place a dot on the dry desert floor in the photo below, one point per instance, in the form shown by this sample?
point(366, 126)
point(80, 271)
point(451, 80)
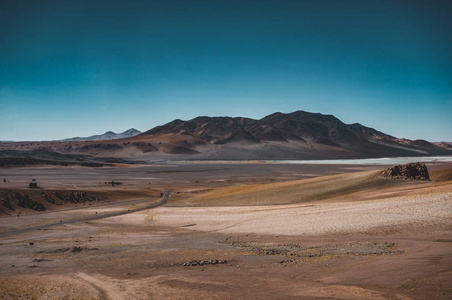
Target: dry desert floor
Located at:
point(229, 231)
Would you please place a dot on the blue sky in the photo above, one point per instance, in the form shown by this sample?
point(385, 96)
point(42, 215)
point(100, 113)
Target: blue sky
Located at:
point(78, 68)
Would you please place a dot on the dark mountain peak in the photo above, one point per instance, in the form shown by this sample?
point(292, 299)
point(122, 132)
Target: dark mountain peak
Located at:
point(211, 120)
point(301, 115)
point(221, 130)
point(174, 122)
point(215, 130)
point(314, 127)
point(273, 115)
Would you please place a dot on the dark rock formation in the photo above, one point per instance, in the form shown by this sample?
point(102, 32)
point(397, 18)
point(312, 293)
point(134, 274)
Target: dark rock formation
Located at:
point(36, 199)
point(23, 161)
point(25, 202)
point(7, 204)
point(413, 171)
point(145, 147)
point(33, 185)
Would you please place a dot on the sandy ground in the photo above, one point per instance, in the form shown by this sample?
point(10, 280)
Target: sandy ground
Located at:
point(410, 212)
point(346, 236)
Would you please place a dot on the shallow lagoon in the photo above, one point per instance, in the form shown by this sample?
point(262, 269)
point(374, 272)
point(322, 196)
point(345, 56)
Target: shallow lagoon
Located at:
point(370, 161)
point(363, 161)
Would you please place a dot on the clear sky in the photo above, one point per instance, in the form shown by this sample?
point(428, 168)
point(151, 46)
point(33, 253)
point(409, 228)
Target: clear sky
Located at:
point(83, 67)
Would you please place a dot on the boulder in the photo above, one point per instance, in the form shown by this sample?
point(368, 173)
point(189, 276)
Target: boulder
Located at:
point(413, 171)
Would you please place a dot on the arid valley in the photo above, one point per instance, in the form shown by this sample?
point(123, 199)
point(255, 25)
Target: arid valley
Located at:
point(227, 230)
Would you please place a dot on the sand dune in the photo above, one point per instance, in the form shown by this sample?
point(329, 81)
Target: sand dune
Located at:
point(301, 191)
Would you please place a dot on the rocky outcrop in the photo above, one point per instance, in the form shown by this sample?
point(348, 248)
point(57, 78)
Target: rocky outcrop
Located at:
point(145, 147)
point(35, 199)
point(23, 161)
point(25, 202)
point(413, 171)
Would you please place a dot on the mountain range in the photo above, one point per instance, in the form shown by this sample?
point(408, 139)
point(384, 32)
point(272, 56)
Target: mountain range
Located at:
point(109, 135)
point(296, 135)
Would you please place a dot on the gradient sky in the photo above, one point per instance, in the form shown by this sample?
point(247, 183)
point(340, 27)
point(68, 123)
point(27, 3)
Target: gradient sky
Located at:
point(77, 68)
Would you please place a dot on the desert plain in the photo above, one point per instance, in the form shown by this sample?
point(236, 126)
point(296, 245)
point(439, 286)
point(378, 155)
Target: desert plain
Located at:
point(227, 230)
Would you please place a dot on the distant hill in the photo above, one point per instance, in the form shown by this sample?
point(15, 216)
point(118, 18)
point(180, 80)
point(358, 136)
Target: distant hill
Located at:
point(109, 135)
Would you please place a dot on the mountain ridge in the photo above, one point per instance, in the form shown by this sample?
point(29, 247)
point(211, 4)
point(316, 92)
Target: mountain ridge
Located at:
point(109, 135)
point(299, 132)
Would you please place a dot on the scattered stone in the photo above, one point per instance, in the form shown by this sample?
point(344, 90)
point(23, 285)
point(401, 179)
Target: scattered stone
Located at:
point(40, 260)
point(295, 253)
point(80, 249)
point(204, 262)
point(61, 250)
point(286, 261)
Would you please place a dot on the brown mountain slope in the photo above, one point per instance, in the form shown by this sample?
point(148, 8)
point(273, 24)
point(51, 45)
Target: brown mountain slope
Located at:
point(295, 135)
